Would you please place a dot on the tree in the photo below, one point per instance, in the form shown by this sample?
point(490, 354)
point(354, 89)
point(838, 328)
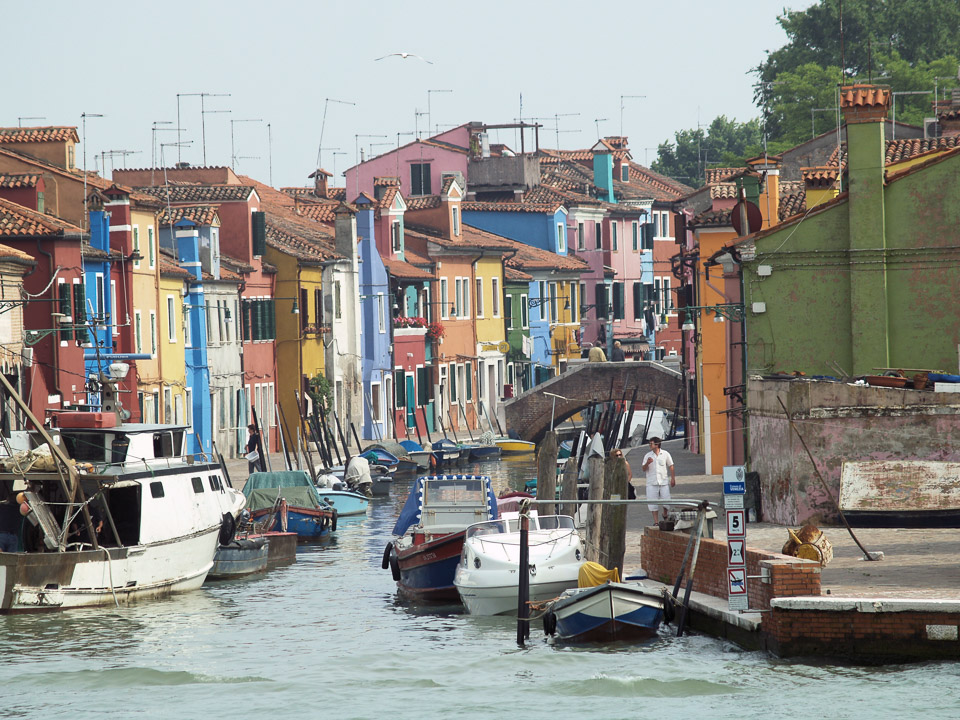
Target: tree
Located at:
point(725, 142)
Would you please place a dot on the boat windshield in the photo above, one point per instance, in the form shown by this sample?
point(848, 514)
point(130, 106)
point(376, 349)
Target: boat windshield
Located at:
point(460, 491)
point(512, 525)
point(555, 522)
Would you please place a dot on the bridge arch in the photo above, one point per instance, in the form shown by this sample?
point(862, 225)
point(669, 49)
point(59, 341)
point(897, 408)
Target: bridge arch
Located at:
point(584, 384)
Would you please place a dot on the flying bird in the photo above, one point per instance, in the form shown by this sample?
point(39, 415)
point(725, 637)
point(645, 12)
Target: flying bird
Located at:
point(405, 55)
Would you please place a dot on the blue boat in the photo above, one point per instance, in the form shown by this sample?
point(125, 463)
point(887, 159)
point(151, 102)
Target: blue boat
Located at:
point(484, 452)
point(377, 455)
point(301, 509)
point(445, 452)
point(242, 556)
point(432, 526)
point(416, 453)
point(346, 502)
point(605, 613)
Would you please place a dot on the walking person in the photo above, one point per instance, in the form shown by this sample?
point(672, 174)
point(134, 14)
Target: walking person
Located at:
point(255, 459)
point(596, 354)
point(616, 355)
point(658, 464)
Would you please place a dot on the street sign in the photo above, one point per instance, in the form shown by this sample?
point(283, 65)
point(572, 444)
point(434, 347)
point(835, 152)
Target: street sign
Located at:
point(735, 552)
point(738, 581)
point(734, 480)
point(733, 502)
point(736, 525)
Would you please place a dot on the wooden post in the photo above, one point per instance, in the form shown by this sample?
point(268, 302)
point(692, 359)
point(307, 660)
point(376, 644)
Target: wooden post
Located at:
point(523, 582)
point(568, 488)
point(613, 525)
point(547, 473)
point(594, 512)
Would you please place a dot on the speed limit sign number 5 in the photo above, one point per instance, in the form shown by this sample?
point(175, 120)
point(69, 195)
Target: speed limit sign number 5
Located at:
point(736, 526)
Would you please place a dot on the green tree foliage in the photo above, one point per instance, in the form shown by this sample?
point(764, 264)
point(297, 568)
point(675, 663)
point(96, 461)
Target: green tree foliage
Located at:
point(725, 142)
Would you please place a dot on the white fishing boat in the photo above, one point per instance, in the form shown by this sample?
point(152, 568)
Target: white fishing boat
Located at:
point(114, 512)
point(487, 577)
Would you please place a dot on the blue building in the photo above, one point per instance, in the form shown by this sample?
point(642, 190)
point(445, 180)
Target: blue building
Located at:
point(376, 319)
point(96, 315)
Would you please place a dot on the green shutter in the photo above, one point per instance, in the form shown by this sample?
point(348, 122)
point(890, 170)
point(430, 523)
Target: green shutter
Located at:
point(618, 301)
point(469, 381)
point(65, 307)
point(453, 383)
point(259, 234)
point(272, 318)
point(258, 326)
point(80, 313)
point(400, 388)
point(245, 319)
point(423, 387)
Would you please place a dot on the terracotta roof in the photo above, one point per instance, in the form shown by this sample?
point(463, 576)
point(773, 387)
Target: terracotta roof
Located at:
point(719, 174)
point(669, 188)
point(424, 202)
point(169, 268)
point(336, 193)
point(387, 181)
point(9, 254)
point(88, 251)
point(617, 142)
point(199, 214)
point(793, 198)
point(416, 259)
point(321, 212)
point(864, 96)
point(232, 263)
point(528, 258)
point(94, 181)
point(199, 193)
point(225, 276)
point(712, 218)
point(404, 270)
point(38, 134)
point(19, 221)
point(20, 180)
point(512, 273)
point(470, 237)
point(723, 191)
point(900, 150)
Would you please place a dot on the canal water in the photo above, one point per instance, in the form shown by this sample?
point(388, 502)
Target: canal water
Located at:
point(326, 637)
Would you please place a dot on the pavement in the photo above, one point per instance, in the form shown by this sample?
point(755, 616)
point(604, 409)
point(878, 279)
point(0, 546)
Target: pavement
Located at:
point(917, 563)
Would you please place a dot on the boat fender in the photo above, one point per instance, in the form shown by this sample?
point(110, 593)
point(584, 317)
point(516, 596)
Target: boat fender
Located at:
point(228, 526)
point(333, 523)
point(550, 622)
point(395, 566)
point(669, 607)
point(385, 563)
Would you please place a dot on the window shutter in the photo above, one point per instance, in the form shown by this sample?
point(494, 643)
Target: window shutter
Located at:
point(423, 386)
point(271, 319)
point(256, 321)
point(400, 389)
point(601, 301)
point(65, 307)
point(648, 236)
point(680, 228)
point(618, 301)
point(245, 319)
point(259, 234)
point(79, 313)
point(637, 301)
point(469, 382)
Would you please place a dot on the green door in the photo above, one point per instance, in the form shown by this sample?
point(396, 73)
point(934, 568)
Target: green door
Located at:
point(411, 402)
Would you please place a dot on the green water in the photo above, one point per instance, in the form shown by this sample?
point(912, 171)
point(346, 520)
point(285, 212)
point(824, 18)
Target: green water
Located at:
point(325, 637)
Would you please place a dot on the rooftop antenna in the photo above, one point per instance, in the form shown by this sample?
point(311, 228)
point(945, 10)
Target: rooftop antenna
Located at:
point(627, 97)
point(428, 107)
point(399, 134)
point(203, 128)
point(153, 142)
point(28, 117)
point(894, 100)
point(381, 144)
point(356, 141)
point(84, 116)
point(813, 127)
point(597, 122)
point(323, 123)
point(344, 152)
point(112, 154)
point(233, 156)
point(270, 154)
point(417, 114)
point(202, 96)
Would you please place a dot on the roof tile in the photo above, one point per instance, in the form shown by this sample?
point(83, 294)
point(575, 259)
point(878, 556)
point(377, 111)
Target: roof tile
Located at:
point(19, 221)
point(52, 133)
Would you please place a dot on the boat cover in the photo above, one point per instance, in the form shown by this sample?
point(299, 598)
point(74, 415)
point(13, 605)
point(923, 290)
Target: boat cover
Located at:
point(262, 488)
point(396, 449)
point(592, 574)
point(412, 508)
point(410, 446)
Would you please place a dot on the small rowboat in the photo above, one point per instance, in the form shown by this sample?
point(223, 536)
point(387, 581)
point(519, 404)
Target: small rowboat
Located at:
point(605, 613)
point(511, 446)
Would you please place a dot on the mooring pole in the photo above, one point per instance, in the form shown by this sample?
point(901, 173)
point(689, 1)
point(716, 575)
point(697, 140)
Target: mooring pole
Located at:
point(523, 587)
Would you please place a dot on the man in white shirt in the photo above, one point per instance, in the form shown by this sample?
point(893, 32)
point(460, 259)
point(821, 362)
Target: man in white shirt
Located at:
point(658, 464)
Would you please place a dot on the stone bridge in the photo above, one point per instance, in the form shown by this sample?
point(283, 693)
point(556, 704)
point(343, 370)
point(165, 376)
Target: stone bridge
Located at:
point(585, 384)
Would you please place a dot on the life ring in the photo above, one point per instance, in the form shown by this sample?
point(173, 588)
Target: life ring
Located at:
point(228, 526)
point(550, 623)
point(395, 566)
point(385, 563)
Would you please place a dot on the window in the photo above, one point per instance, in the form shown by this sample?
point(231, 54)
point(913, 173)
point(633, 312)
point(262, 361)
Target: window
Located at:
point(395, 236)
point(580, 236)
point(453, 383)
point(136, 245)
point(508, 307)
point(496, 296)
point(101, 303)
point(225, 312)
point(387, 390)
point(381, 314)
point(156, 489)
point(625, 173)
point(598, 235)
point(375, 402)
point(524, 312)
point(171, 320)
point(420, 179)
point(561, 238)
point(554, 316)
point(156, 406)
point(614, 235)
point(637, 300)
point(444, 299)
point(197, 484)
point(572, 288)
point(583, 294)
point(138, 336)
point(188, 315)
point(167, 404)
point(153, 332)
point(114, 318)
point(318, 306)
point(667, 299)
point(188, 419)
point(468, 383)
point(544, 308)
point(214, 482)
point(665, 224)
point(617, 289)
point(636, 236)
point(466, 297)
point(647, 233)
point(458, 301)
point(600, 299)
point(150, 250)
point(479, 297)
point(657, 295)
point(337, 310)
point(304, 309)
point(178, 410)
point(461, 381)
point(455, 214)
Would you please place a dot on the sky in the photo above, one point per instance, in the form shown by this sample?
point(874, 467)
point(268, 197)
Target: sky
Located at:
point(278, 62)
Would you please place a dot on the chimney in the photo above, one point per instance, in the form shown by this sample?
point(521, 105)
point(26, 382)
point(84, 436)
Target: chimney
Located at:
point(864, 109)
point(769, 197)
point(345, 230)
point(603, 170)
point(320, 182)
point(820, 184)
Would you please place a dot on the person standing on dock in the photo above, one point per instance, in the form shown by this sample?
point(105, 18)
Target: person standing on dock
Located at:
point(255, 460)
point(597, 354)
point(617, 354)
point(658, 464)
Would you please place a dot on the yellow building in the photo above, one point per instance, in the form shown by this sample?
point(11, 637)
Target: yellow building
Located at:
point(145, 277)
point(171, 340)
point(492, 346)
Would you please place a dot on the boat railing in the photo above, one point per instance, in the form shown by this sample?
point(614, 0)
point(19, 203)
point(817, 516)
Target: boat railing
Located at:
point(150, 464)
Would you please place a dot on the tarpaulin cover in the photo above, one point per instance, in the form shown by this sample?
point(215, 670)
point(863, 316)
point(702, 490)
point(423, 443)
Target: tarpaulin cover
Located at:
point(592, 574)
point(264, 498)
point(294, 486)
point(413, 507)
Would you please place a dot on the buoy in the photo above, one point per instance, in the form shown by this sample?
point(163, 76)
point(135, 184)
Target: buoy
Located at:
point(21, 498)
point(24, 509)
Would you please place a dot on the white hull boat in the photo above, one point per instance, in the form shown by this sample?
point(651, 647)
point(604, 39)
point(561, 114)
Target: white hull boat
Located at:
point(487, 577)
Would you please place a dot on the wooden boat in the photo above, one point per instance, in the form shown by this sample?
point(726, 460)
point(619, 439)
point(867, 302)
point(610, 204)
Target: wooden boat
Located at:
point(240, 557)
point(484, 452)
point(304, 512)
point(446, 452)
point(487, 577)
point(900, 493)
point(162, 516)
point(416, 453)
point(336, 494)
point(431, 527)
point(605, 613)
point(515, 446)
point(377, 455)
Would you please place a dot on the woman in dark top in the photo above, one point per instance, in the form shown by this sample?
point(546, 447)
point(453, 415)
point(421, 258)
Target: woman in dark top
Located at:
point(254, 445)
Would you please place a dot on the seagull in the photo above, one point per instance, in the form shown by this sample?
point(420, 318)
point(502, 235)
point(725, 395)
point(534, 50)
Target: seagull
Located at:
point(405, 55)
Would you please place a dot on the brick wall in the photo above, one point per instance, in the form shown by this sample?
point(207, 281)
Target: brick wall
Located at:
point(661, 554)
point(530, 413)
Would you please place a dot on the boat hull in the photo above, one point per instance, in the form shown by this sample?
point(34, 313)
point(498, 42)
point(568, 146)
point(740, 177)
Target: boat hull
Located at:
point(239, 558)
point(307, 523)
point(33, 582)
point(502, 599)
point(608, 612)
point(515, 447)
point(346, 503)
point(485, 452)
point(427, 569)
